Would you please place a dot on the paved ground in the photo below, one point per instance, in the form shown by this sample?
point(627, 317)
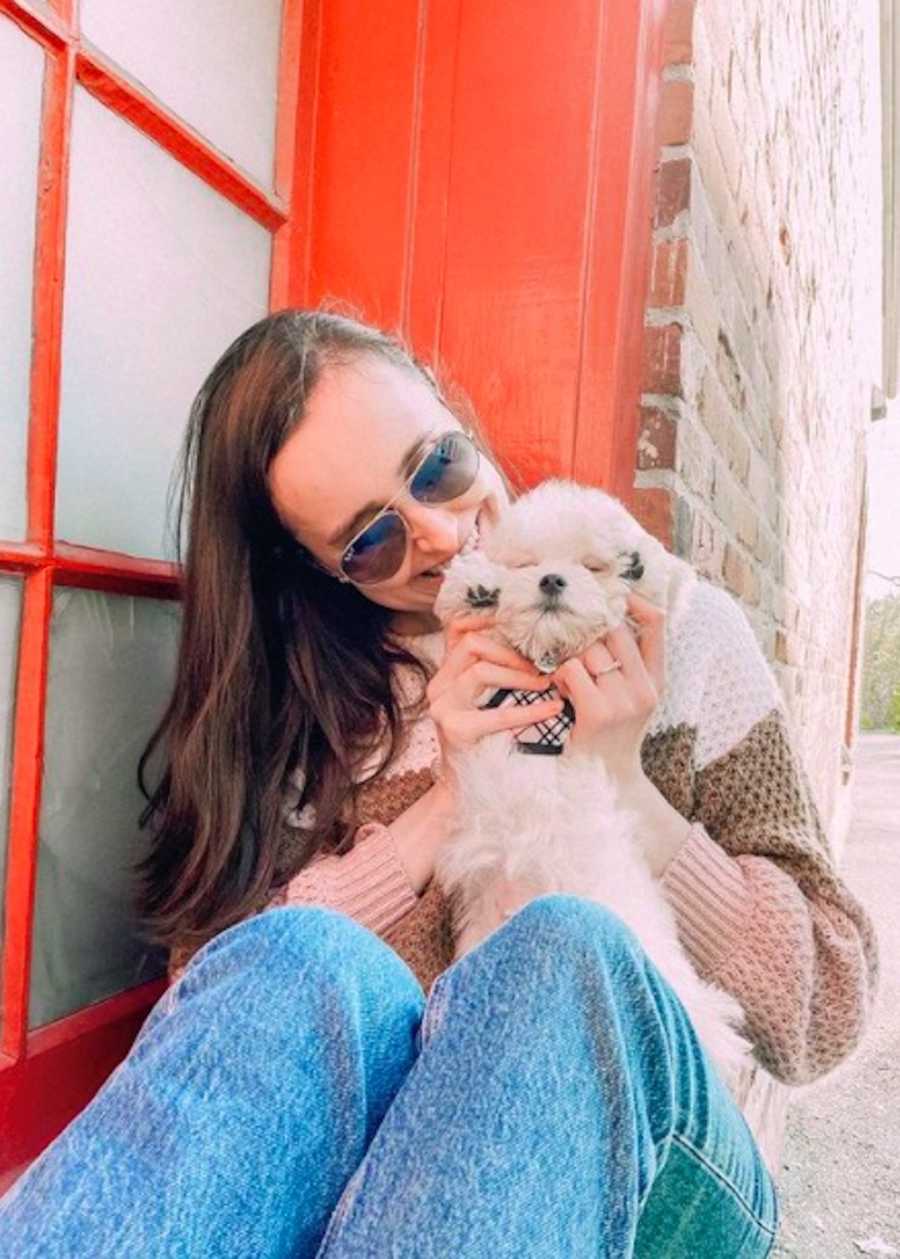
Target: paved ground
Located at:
point(840, 1184)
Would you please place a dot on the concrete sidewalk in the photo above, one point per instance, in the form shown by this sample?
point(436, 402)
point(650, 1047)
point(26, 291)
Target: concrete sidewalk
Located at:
point(840, 1183)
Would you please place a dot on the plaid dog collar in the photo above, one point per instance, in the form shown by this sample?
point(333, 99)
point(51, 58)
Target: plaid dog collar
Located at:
point(543, 738)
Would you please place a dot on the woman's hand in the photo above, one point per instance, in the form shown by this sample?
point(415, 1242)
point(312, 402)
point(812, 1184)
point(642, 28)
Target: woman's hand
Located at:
point(613, 709)
point(475, 663)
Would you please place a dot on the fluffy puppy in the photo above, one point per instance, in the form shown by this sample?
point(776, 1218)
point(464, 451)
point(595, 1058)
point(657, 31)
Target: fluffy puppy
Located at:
point(556, 572)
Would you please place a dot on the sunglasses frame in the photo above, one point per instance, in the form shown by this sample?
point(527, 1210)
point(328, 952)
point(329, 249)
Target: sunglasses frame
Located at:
point(389, 505)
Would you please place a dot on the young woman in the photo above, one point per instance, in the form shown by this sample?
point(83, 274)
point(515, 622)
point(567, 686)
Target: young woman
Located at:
point(302, 1089)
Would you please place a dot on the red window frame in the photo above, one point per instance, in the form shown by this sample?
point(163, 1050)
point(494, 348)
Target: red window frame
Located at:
point(48, 1075)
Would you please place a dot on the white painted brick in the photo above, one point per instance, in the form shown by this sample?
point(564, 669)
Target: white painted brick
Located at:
point(785, 260)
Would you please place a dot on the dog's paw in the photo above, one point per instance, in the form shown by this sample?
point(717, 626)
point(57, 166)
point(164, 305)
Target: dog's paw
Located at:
point(631, 566)
point(480, 597)
point(471, 583)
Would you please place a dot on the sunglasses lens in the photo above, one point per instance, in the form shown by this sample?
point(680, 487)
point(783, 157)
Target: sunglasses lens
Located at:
point(378, 551)
point(447, 472)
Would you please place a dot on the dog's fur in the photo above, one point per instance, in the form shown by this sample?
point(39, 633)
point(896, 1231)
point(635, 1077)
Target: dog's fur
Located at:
point(552, 822)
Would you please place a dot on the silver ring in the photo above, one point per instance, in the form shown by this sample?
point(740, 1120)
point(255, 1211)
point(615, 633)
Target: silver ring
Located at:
point(609, 668)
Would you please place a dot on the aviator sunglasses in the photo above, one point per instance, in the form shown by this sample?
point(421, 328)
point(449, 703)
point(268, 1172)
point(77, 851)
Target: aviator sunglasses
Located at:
point(447, 469)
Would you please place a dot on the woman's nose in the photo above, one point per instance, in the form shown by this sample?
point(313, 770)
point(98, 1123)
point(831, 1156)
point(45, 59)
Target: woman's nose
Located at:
point(433, 528)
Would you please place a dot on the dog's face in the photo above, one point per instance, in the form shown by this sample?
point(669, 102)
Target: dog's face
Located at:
point(556, 571)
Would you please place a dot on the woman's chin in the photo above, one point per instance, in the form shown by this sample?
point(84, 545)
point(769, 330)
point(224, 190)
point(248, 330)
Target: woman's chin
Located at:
point(416, 621)
point(422, 595)
point(427, 587)
point(413, 608)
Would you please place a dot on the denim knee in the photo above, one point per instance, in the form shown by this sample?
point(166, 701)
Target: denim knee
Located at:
point(551, 950)
point(281, 941)
point(282, 958)
point(572, 922)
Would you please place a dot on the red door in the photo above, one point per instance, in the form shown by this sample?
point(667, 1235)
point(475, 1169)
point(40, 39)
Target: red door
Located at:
point(482, 177)
point(476, 175)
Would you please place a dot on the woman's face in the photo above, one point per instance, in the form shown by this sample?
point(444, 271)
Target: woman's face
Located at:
point(351, 454)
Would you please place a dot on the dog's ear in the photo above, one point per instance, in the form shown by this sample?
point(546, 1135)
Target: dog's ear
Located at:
point(645, 566)
point(663, 578)
point(472, 584)
point(679, 589)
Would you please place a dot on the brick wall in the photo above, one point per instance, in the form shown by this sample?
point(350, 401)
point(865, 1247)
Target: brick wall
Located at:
point(762, 337)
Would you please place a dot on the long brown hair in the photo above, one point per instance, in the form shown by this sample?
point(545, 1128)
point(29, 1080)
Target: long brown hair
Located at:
point(280, 667)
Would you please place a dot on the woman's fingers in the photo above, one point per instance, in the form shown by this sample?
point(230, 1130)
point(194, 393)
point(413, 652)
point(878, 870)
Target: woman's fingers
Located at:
point(485, 675)
point(633, 679)
point(473, 647)
point(462, 625)
point(577, 684)
point(476, 664)
point(483, 722)
point(611, 704)
point(601, 656)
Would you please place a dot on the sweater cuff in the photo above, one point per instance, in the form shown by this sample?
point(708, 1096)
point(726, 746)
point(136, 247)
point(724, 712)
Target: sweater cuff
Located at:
point(368, 883)
point(711, 898)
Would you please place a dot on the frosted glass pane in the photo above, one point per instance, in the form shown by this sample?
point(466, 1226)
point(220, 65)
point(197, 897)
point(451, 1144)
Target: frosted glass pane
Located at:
point(10, 602)
point(214, 65)
point(161, 275)
point(112, 661)
point(21, 77)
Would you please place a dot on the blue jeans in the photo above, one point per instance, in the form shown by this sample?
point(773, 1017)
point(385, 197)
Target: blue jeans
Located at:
point(294, 1094)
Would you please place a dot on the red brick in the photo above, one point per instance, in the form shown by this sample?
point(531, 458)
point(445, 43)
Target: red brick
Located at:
point(673, 190)
point(652, 508)
point(676, 111)
point(669, 275)
point(661, 370)
point(656, 439)
point(678, 44)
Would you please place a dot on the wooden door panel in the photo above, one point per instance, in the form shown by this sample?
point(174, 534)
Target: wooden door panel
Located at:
point(482, 180)
point(364, 146)
point(516, 231)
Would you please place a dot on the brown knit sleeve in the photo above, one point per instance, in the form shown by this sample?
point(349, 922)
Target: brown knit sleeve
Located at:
point(805, 966)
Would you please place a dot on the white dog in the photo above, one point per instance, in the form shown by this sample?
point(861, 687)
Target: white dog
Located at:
point(556, 572)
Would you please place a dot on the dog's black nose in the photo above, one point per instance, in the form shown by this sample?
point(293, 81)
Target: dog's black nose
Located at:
point(552, 583)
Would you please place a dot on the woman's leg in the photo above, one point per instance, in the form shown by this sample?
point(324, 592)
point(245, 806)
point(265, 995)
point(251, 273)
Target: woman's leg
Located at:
point(245, 1104)
point(561, 1107)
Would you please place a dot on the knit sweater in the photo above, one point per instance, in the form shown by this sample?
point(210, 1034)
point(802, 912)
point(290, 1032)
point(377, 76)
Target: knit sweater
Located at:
point(760, 907)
